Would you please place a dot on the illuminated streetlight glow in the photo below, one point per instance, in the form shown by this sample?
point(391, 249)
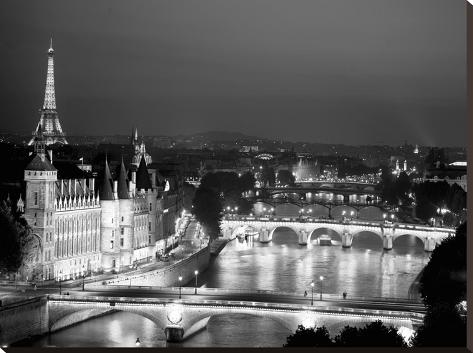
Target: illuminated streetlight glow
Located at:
point(312, 300)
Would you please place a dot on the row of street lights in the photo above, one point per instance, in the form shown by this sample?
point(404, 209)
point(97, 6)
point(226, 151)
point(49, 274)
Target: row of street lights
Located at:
point(180, 284)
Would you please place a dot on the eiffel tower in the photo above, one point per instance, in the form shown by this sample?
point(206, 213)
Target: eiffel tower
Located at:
point(49, 126)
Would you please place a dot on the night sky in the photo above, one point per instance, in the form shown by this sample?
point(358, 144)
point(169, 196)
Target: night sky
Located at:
point(329, 71)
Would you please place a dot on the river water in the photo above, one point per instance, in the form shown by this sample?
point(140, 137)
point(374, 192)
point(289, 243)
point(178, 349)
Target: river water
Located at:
point(365, 269)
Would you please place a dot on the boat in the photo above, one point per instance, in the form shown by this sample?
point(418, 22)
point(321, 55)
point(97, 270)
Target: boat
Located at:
point(325, 240)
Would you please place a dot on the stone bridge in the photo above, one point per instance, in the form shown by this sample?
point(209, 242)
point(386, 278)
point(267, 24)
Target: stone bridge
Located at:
point(388, 232)
point(180, 319)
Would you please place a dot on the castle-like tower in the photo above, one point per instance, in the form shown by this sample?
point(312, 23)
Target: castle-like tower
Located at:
point(49, 125)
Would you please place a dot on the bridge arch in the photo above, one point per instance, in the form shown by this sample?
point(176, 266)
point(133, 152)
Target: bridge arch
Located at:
point(378, 235)
point(371, 213)
point(337, 211)
point(287, 209)
point(201, 321)
point(294, 231)
point(312, 234)
point(261, 208)
point(404, 234)
point(77, 315)
point(317, 210)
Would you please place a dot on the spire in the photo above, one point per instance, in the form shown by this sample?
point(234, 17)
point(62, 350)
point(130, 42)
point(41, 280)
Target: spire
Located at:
point(49, 94)
point(49, 123)
point(136, 134)
point(142, 176)
point(122, 182)
point(106, 191)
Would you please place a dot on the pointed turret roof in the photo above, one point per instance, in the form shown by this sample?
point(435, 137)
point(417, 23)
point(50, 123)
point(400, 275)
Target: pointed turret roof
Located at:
point(122, 183)
point(106, 190)
point(142, 176)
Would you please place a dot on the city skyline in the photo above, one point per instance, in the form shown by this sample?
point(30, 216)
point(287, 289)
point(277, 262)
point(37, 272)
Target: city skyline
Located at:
point(100, 87)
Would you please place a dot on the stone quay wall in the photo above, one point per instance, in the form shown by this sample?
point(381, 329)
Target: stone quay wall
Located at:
point(22, 319)
point(169, 276)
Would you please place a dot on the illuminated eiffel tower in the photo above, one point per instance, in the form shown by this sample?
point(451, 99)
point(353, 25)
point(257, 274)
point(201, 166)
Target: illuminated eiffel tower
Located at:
point(49, 126)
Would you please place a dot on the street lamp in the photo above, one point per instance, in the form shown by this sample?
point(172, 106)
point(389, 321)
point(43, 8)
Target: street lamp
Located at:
point(83, 277)
point(180, 286)
point(60, 277)
point(312, 300)
point(196, 273)
point(321, 282)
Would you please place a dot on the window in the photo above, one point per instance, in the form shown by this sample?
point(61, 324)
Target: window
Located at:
point(112, 220)
point(149, 239)
point(150, 206)
point(122, 218)
point(122, 231)
point(111, 244)
point(149, 226)
point(121, 241)
point(36, 198)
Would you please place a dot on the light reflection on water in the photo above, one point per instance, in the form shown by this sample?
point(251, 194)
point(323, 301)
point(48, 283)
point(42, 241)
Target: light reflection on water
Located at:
point(282, 265)
point(365, 269)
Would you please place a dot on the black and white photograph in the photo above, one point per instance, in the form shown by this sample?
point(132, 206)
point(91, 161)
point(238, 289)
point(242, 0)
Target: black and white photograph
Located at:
point(233, 173)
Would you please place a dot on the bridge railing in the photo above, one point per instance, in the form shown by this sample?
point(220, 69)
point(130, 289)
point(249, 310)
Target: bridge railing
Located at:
point(239, 291)
point(111, 301)
point(308, 219)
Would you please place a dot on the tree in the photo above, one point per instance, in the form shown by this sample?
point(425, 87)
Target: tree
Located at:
point(15, 239)
point(189, 193)
point(443, 326)
point(444, 277)
point(285, 177)
point(435, 155)
point(309, 337)
point(374, 334)
point(387, 186)
point(207, 210)
point(268, 177)
point(403, 187)
point(247, 181)
point(443, 287)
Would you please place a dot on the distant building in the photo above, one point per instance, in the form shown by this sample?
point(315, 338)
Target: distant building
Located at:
point(454, 173)
point(139, 150)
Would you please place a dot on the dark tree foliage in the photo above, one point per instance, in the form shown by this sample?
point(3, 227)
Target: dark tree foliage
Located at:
point(443, 327)
point(374, 334)
point(268, 177)
point(394, 190)
point(403, 187)
point(189, 193)
point(444, 278)
point(433, 195)
point(309, 337)
point(435, 154)
point(443, 287)
point(285, 177)
point(207, 210)
point(14, 231)
point(247, 181)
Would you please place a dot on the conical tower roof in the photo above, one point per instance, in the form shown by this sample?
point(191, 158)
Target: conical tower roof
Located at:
point(142, 176)
point(122, 183)
point(106, 190)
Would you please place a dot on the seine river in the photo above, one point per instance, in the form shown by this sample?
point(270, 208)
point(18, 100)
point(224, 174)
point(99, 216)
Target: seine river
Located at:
point(282, 265)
